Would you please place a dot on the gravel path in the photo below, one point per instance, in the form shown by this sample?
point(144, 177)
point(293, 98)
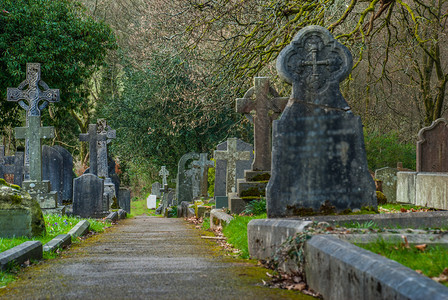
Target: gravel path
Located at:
point(144, 258)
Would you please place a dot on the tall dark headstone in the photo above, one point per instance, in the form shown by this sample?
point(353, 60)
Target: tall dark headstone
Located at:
point(155, 189)
point(432, 147)
point(318, 158)
point(13, 165)
point(184, 187)
point(124, 196)
point(203, 165)
point(88, 196)
point(67, 173)
point(53, 170)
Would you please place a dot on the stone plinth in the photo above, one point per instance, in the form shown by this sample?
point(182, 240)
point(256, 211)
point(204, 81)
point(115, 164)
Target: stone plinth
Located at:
point(431, 190)
point(41, 191)
point(406, 187)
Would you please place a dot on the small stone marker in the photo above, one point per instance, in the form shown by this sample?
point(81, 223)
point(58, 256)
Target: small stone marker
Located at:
point(185, 174)
point(164, 173)
point(88, 192)
point(151, 202)
point(33, 95)
point(155, 189)
point(53, 169)
point(12, 165)
point(389, 178)
point(203, 164)
point(124, 199)
point(232, 155)
point(318, 159)
point(267, 106)
point(432, 147)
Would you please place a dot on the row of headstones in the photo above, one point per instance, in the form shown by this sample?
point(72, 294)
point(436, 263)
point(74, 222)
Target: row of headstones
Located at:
point(91, 193)
point(317, 162)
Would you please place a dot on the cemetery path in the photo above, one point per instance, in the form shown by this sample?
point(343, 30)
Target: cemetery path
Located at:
point(145, 258)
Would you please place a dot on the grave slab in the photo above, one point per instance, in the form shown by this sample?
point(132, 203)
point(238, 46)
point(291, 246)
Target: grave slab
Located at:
point(389, 178)
point(113, 216)
point(88, 190)
point(124, 199)
point(155, 189)
point(67, 173)
point(185, 174)
point(432, 147)
point(81, 228)
point(431, 190)
point(406, 182)
point(21, 253)
point(53, 170)
point(60, 241)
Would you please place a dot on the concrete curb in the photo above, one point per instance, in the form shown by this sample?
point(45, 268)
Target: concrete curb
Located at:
point(122, 214)
point(217, 216)
point(340, 270)
point(80, 229)
point(61, 240)
point(113, 216)
point(21, 253)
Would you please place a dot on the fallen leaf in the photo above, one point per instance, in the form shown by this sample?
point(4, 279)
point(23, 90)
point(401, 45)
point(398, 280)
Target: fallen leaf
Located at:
point(419, 271)
point(269, 275)
point(421, 247)
point(406, 244)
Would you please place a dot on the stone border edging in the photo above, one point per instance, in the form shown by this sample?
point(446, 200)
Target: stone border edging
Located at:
point(80, 229)
point(113, 216)
point(122, 214)
point(217, 216)
point(21, 253)
point(340, 270)
point(61, 240)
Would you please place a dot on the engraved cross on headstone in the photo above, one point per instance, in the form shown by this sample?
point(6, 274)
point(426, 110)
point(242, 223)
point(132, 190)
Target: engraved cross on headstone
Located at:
point(34, 133)
point(164, 173)
point(266, 110)
point(104, 129)
point(315, 63)
point(203, 164)
point(93, 137)
point(231, 155)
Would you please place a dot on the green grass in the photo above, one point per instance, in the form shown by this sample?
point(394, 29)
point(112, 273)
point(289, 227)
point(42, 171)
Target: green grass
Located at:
point(432, 261)
point(138, 207)
point(236, 233)
point(55, 225)
point(205, 224)
point(398, 207)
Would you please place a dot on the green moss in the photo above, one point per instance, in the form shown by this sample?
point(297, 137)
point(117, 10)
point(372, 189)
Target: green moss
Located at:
point(254, 192)
point(3, 182)
point(382, 199)
point(261, 177)
point(114, 203)
point(37, 221)
point(326, 209)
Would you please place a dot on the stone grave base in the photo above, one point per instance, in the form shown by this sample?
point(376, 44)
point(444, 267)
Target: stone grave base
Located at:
point(423, 189)
point(41, 191)
point(237, 204)
point(221, 201)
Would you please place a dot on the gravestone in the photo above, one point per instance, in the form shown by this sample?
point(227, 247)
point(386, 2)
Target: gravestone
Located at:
point(232, 158)
point(124, 199)
point(102, 157)
point(319, 163)
point(203, 165)
point(155, 189)
point(88, 190)
point(53, 170)
point(164, 173)
point(185, 172)
point(13, 165)
point(432, 147)
point(389, 178)
point(33, 95)
point(151, 202)
point(264, 100)
point(67, 173)
point(93, 137)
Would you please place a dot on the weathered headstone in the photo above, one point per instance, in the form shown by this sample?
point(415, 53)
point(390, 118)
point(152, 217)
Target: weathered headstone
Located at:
point(203, 164)
point(88, 192)
point(105, 130)
point(124, 199)
point(151, 201)
point(164, 173)
point(264, 100)
point(318, 158)
point(67, 173)
point(53, 169)
point(33, 95)
point(432, 147)
point(232, 158)
point(155, 189)
point(389, 178)
point(13, 165)
point(185, 172)
point(93, 137)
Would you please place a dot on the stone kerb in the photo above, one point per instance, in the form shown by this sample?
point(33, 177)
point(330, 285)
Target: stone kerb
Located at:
point(319, 162)
point(62, 240)
point(81, 228)
point(21, 253)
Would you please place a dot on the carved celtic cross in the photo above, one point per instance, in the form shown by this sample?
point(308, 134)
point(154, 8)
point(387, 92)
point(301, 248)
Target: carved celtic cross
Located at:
point(29, 90)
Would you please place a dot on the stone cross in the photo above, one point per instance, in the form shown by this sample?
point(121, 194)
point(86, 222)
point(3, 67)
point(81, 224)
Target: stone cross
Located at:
point(103, 129)
point(231, 155)
point(267, 109)
point(164, 173)
point(203, 164)
point(93, 137)
point(34, 133)
point(31, 97)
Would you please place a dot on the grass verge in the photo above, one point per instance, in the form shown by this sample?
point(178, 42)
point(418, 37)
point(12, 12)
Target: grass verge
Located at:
point(236, 233)
point(138, 208)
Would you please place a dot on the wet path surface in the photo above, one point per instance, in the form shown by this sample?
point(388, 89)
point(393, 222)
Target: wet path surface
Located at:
point(144, 258)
